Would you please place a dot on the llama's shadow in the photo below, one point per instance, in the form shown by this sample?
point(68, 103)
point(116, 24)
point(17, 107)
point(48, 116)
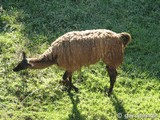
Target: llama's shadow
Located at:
point(120, 110)
point(75, 113)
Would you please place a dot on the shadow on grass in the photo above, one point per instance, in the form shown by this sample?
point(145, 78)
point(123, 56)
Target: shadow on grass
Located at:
point(120, 111)
point(75, 113)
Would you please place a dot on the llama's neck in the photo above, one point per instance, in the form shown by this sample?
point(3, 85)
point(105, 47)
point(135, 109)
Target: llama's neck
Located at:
point(39, 63)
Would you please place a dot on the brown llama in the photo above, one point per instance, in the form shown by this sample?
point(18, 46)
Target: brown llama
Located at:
point(75, 49)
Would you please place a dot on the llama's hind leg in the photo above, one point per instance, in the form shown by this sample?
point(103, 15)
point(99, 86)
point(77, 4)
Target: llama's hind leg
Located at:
point(112, 72)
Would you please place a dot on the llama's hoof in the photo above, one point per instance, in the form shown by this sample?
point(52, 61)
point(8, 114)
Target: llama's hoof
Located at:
point(69, 90)
point(109, 94)
point(76, 89)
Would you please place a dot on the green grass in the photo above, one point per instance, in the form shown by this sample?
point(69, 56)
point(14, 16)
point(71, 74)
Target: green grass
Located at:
point(32, 25)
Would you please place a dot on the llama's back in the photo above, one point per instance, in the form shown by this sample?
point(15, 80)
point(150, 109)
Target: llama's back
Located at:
point(82, 48)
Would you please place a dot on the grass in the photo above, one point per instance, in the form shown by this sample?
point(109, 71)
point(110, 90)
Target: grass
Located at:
point(32, 25)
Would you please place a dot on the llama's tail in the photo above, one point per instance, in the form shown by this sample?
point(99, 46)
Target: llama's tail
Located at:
point(125, 37)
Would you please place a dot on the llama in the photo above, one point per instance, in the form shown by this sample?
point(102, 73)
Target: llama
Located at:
point(75, 49)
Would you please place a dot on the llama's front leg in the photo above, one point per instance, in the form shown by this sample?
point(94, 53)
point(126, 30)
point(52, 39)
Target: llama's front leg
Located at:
point(67, 81)
point(71, 84)
point(112, 72)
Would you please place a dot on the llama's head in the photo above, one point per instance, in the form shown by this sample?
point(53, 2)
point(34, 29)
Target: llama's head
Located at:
point(23, 64)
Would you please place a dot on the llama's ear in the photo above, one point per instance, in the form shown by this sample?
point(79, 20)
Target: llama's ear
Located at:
point(23, 55)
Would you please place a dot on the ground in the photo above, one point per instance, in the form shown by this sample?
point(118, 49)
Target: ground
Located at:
point(31, 26)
